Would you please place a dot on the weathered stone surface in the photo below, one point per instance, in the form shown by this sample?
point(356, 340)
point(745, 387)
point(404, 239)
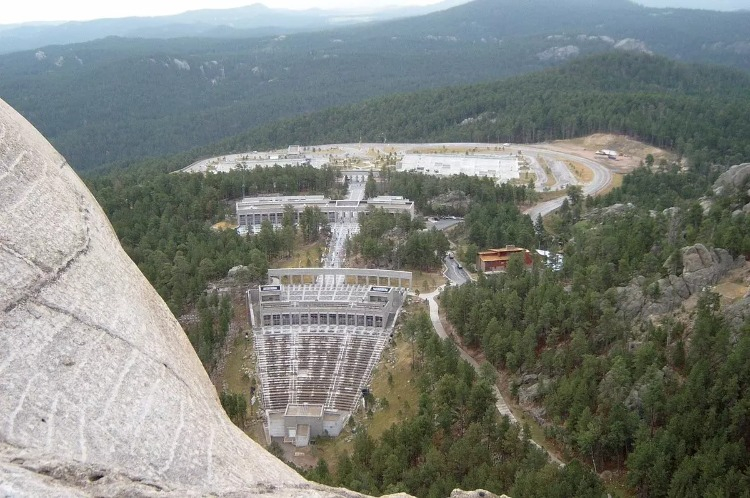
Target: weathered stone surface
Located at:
point(738, 313)
point(633, 45)
point(702, 267)
point(529, 378)
point(615, 210)
point(237, 271)
point(733, 179)
point(731, 182)
point(480, 493)
point(97, 375)
point(698, 258)
point(529, 393)
point(452, 201)
point(559, 53)
point(28, 473)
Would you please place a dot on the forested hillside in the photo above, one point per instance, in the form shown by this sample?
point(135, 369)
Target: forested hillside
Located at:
point(652, 385)
point(628, 358)
point(120, 99)
point(696, 110)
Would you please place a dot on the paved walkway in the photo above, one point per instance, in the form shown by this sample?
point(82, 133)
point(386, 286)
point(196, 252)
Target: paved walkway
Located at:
point(501, 404)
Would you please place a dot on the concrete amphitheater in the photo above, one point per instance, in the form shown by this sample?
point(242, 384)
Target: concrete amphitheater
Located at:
point(318, 334)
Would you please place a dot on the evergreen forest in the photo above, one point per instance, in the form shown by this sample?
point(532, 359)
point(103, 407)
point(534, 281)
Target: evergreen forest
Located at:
point(667, 401)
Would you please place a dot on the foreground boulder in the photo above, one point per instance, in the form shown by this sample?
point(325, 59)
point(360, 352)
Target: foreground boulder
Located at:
point(102, 393)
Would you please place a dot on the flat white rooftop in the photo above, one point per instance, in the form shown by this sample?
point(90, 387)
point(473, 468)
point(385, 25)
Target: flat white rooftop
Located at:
point(500, 168)
point(280, 201)
point(304, 411)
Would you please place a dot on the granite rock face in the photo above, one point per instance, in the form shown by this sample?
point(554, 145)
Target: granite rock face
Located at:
point(480, 493)
point(738, 313)
point(731, 182)
point(701, 267)
point(735, 178)
point(100, 386)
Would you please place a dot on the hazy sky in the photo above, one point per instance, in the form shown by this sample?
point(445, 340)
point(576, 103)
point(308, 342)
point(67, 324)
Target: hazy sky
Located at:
point(699, 4)
point(15, 11)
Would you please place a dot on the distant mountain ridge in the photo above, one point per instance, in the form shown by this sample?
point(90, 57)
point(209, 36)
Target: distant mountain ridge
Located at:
point(726, 5)
point(252, 20)
point(121, 99)
point(695, 110)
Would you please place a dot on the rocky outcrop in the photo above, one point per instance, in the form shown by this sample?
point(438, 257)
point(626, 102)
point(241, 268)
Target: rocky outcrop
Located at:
point(614, 210)
point(454, 201)
point(732, 180)
point(738, 313)
point(559, 53)
point(701, 267)
point(102, 393)
point(633, 45)
point(528, 389)
point(480, 493)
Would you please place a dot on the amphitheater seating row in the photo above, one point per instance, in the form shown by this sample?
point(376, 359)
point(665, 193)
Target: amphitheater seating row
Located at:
point(329, 368)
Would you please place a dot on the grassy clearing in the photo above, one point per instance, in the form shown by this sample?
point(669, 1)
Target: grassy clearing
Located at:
point(526, 176)
point(617, 179)
point(426, 282)
point(304, 256)
point(238, 370)
point(731, 291)
point(581, 172)
point(548, 196)
point(550, 177)
point(401, 395)
point(224, 225)
point(330, 448)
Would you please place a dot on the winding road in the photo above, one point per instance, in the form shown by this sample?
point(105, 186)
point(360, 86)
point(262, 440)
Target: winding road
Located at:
point(457, 277)
point(601, 180)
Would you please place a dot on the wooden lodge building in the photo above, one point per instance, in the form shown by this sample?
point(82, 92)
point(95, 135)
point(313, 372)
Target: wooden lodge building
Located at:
point(497, 259)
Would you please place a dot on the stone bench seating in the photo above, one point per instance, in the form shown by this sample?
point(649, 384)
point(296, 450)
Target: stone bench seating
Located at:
point(322, 365)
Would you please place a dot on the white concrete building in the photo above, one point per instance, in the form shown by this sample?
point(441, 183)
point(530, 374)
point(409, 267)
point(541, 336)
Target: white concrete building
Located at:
point(252, 211)
point(501, 168)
